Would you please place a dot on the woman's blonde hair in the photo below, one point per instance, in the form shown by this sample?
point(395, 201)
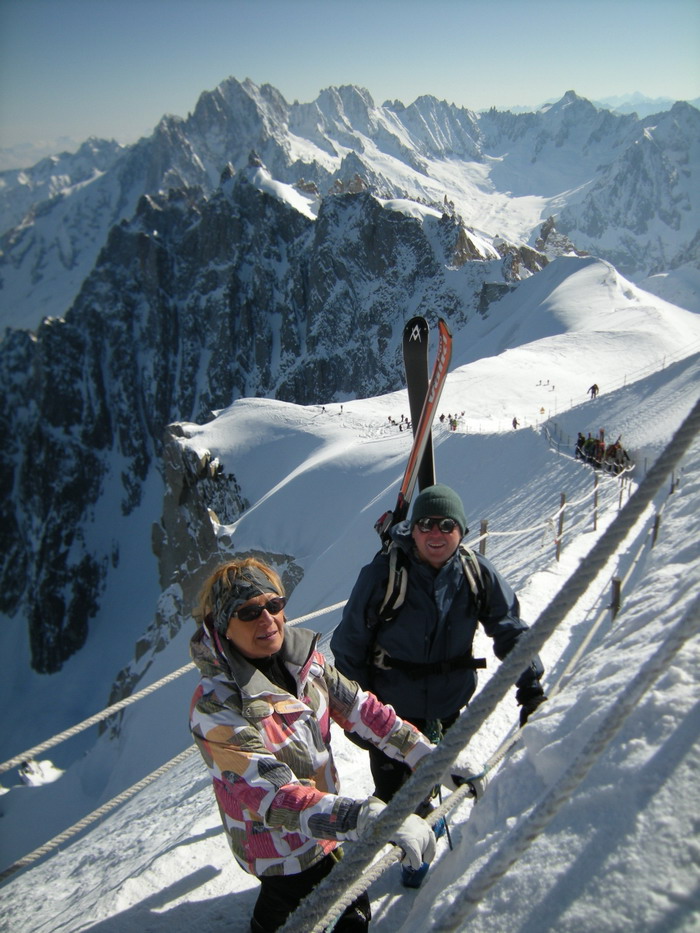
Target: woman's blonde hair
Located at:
point(228, 577)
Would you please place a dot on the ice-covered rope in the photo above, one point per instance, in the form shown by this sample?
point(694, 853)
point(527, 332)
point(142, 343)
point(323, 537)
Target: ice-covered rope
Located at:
point(519, 840)
point(127, 701)
point(106, 808)
point(430, 770)
point(510, 742)
point(93, 720)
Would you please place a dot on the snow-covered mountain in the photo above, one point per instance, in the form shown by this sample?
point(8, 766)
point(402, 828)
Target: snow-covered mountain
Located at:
point(620, 854)
point(640, 104)
point(504, 173)
point(286, 275)
point(267, 255)
point(258, 290)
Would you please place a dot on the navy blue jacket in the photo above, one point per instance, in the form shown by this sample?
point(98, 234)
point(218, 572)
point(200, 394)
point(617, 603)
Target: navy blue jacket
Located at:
point(437, 622)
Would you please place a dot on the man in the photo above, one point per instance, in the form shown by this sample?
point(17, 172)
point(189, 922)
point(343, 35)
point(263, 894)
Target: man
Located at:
point(420, 662)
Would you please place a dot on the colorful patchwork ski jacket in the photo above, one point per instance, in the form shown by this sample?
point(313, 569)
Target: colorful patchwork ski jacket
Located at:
point(269, 752)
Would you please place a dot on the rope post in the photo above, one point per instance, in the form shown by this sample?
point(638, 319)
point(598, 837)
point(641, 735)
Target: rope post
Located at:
point(616, 598)
point(483, 531)
point(595, 501)
point(561, 523)
point(655, 530)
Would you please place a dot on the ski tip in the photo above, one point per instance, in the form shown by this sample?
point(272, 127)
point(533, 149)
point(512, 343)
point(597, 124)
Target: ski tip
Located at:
point(416, 330)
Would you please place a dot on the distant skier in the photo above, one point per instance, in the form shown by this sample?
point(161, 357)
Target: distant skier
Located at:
point(516, 424)
point(593, 391)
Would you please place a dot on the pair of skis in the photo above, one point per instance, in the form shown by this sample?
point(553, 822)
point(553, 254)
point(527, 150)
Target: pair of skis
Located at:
point(423, 398)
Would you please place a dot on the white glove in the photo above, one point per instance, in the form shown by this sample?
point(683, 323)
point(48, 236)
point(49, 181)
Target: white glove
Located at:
point(416, 839)
point(369, 811)
point(463, 771)
point(414, 835)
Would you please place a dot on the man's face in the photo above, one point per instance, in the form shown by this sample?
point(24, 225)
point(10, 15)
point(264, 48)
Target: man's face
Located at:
point(434, 545)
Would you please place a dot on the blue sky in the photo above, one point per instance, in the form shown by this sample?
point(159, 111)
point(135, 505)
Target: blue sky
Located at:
point(112, 68)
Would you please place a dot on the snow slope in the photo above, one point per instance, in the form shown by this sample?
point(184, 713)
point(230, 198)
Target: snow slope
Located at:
point(621, 855)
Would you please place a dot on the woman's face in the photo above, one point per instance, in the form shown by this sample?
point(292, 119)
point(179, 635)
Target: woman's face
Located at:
point(261, 637)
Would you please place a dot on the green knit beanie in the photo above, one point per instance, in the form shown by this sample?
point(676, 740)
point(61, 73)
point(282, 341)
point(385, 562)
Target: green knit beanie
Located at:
point(439, 502)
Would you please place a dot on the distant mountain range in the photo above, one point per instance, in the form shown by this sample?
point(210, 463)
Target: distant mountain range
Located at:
point(621, 103)
point(25, 155)
point(619, 186)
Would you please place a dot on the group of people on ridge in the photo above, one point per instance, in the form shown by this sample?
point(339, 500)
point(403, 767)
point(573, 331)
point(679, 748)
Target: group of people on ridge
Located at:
point(611, 457)
point(262, 711)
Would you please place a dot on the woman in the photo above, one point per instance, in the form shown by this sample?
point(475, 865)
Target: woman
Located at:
point(261, 717)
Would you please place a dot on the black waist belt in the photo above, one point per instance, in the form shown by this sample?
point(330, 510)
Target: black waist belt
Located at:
point(415, 669)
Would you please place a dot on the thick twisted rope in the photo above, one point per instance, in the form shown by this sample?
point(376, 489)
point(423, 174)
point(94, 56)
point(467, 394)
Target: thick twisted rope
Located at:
point(314, 909)
point(106, 808)
point(127, 701)
point(93, 720)
point(520, 839)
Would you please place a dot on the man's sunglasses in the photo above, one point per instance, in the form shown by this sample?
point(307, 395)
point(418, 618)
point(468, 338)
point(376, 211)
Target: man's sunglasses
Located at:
point(254, 611)
point(444, 524)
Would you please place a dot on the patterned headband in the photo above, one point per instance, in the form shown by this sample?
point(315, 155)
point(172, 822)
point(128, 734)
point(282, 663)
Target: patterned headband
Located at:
point(228, 594)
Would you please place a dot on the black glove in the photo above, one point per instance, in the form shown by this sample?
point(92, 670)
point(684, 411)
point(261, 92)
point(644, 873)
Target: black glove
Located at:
point(529, 699)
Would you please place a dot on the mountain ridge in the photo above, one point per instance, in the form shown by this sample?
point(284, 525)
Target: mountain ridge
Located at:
point(424, 151)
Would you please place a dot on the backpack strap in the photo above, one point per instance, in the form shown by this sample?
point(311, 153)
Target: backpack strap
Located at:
point(396, 584)
point(474, 575)
point(397, 581)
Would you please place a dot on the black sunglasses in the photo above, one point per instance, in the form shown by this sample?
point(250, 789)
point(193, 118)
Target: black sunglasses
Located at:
point(444, 524)
point(254, 611)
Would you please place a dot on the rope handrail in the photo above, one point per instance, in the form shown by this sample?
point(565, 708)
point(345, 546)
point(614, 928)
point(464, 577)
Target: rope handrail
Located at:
point(313, 910)
point(507, 745)
point(511, 740)
point(93, 720)
point(106, 808)
point(530, 827)
point(111, 710)
point(480, 710)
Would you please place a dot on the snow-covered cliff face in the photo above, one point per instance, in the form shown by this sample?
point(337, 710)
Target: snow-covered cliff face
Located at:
point(505, 173)
point(642, 210)
point(193, 303)
point(53, 177)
